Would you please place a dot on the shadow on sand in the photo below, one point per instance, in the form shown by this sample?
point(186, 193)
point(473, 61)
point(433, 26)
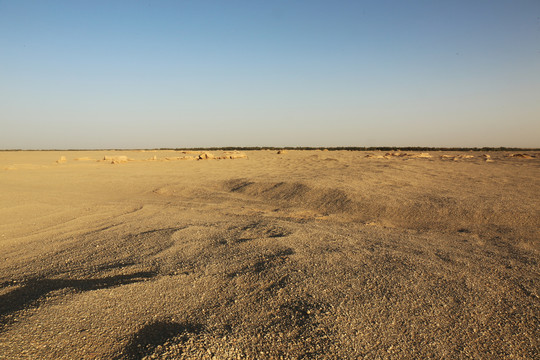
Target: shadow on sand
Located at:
point(144, 341)
point(32, 291)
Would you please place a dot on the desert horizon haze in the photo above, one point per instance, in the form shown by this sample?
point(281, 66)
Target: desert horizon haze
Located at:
point(128, 74)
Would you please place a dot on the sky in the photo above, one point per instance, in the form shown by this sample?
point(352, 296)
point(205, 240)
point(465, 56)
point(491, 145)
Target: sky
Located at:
point(173, 74)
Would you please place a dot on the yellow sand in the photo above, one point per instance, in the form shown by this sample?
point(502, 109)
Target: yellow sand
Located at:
point(301, 255)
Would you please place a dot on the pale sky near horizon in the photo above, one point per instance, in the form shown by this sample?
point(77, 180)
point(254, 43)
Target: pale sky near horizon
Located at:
point(151, 74)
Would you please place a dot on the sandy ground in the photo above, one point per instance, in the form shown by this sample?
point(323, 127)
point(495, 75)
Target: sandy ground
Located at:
point(302, 255)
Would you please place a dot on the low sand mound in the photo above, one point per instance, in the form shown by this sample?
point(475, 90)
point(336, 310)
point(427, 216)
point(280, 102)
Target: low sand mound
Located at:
point(294, 194)
point(373, 156)
point(206, 156)
point(281, 152)
point(421, 156)
point(392, 155)
point(463, 157)
point(181, 158)
point(521, 156)
point(232, 155)
point(116, 159)
point(61, 160)
point(487, 158)
point(395, 154)
point(416, 208)
point(457, 157)
point(236, 155)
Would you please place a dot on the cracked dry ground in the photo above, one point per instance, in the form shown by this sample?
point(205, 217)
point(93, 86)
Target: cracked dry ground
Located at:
point(307, 255)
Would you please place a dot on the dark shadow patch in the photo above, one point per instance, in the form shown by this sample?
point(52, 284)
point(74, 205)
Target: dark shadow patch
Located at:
point(250, 226)
point(102, 229)
point(167, 231)
point(277, 235)
point(529, 292)
point(271, 260)
point(294, 328)
point(280, 283)
point(254, 230)
point(145, 341)
point(237, 184)
point(264, 229)
point(33, 291)
point(286, 191)
point(444, 256)
point(293, 315)
point(112, 266)
point(290, 329)
point(264, 263)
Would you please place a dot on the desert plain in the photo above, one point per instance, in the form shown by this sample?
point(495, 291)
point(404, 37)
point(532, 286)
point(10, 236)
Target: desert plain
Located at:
point(259, 255)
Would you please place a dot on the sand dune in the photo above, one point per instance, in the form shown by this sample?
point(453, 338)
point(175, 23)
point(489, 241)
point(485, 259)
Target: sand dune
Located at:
point(305, 255)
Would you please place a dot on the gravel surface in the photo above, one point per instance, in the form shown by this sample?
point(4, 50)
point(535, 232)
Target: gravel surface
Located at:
point(300, 255)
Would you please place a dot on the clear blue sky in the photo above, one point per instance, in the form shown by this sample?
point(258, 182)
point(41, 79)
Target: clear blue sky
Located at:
point(146, 74)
